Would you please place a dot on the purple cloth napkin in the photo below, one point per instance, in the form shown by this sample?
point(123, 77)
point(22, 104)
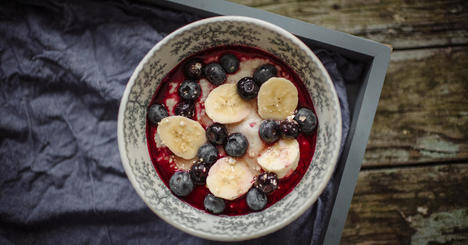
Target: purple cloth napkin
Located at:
point(63, 70)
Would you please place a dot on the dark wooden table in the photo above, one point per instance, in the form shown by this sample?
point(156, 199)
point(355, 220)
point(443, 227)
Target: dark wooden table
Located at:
point(413, 185)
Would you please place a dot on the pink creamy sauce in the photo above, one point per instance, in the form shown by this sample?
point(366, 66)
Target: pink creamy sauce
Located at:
point(161, 156)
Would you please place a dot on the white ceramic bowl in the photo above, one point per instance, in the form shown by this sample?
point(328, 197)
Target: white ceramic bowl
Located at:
point(165, 55)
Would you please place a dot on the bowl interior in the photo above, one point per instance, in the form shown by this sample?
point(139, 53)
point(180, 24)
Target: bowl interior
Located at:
point(196, 37)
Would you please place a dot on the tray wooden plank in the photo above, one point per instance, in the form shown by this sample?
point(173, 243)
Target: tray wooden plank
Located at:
point(402, 24)
point(422, 114)
point(416, 205)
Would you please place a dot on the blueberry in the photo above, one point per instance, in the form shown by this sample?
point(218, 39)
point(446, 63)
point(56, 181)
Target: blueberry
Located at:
point(267, 182)
point(247, 88)
point(208, 154)
point(229, 62)
point(189, 90)
point(264, 72)
point(289, 128)
point(236, 145)
point(269, 131)
point(181, 183)
point(193, 69)
point(214, 204)
point(306, 119)
point(185, 108)
point(156, 113)
point(199, 172)
point(256, 200)
point(215, 73)
point(217, 134)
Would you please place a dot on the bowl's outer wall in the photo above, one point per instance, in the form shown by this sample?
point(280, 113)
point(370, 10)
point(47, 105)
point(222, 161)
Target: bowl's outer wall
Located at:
point(196, 37)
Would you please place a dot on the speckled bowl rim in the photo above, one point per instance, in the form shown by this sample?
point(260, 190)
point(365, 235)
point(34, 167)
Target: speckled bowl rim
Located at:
point(152, 52)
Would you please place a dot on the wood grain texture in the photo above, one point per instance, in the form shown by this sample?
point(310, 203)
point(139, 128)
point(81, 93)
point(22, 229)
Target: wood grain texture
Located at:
point(420, 205)
point(422, 114)
point(400, 23)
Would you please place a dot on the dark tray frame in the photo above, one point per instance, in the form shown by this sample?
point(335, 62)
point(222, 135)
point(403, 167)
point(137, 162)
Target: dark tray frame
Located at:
point(363, 97)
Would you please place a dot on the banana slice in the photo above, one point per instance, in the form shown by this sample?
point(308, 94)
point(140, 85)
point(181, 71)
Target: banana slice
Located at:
point(277, 99)
point(224, 105)
point(281, 158)
point(229, 178)
point(183, 136)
